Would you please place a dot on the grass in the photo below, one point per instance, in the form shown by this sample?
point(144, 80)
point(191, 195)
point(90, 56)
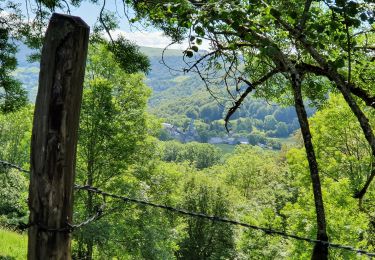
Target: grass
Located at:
point(290, 141)
point(12, 245)
point(226, 148)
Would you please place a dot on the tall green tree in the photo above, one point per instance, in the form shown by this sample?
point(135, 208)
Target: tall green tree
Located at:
point(337, 136)
point(279, 42)
point(15, 135)
point(283, 42)
point(346, 161)
point(112, 124)
point(12, 95)
point(205, 240)
point(198, 155)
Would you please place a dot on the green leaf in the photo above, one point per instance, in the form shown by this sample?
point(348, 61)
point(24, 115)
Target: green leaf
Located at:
point(199, 31)
point(275, 13)
point(363, 17)
point(339, 63)
point(189, 53)
point(294, 15)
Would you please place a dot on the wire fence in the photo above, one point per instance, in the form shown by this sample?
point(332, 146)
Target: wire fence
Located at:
point(68, 226)
point(267, 231)
point(14, 166)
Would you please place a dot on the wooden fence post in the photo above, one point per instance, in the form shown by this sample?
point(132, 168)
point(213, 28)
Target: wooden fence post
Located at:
point(54, 137)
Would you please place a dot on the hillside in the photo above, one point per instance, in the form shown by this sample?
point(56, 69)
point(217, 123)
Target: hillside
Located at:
point(158, 79)
point(182, 101)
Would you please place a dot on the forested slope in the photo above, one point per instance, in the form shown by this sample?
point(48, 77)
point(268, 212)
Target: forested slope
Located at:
point(140, 194)
point(180, 97)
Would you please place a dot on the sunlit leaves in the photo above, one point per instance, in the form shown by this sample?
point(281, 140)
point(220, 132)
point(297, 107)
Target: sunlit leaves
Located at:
point(12, 95)
point(128, 56)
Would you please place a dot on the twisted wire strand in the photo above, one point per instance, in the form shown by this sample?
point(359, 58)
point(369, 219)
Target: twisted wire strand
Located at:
point(267, 231)
point(99, 213)
point(11, 165)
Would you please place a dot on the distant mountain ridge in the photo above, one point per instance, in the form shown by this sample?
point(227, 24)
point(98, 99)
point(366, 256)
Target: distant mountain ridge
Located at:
point(180, 97)
point(159, 78)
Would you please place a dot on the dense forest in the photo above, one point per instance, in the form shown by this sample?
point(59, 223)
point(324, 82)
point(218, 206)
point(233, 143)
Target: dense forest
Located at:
point(270, 132)
point(178, 98)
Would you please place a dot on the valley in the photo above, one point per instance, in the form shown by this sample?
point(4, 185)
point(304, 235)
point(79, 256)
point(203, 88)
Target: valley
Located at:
point(187, 109)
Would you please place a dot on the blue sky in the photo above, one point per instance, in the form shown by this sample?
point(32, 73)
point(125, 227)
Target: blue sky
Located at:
point(89, 12)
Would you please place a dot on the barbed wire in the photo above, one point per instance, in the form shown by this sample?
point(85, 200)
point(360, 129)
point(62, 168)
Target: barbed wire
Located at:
point(99, 214)
point(267, 231)
point(69, 227)
point(11, 165)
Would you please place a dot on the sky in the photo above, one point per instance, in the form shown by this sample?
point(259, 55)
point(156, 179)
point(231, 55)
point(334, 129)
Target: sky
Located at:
point(149, 37)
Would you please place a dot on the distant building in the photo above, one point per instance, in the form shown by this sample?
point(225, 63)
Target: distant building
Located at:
point(243, 140)
point(231, 140)
point(166, 125)
point(189, 135)
point(173, 131)
point(216, 140)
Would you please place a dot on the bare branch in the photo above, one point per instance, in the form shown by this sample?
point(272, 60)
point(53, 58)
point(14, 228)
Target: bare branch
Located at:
point(163, 61)
point(362, 192)
point(359, 92)
point(201, 59)
point(251, 87)
point(370, 48)
point(103, 23)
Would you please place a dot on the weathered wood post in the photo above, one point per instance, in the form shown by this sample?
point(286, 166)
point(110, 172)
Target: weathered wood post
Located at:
point(54, 137)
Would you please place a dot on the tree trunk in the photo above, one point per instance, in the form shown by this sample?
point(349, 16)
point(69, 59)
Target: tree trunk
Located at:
point(89, 241)
point(345, 88)
point(54, 137)
point(320, 251)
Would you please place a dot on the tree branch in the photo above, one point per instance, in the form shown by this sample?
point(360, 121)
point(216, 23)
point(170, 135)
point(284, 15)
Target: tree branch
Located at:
point(362, 94)
point(359, 92)
point(320, 251)
point(103, 22)
point(345, 89)
point(362, 192)
point(304, 17)
point(251, 87)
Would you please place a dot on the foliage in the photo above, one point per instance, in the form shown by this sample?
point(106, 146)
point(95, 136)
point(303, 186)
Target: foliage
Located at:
point(345, 159)
point(270, 47)
point(128, 56)
point(197, 154)
point(113, 123)
point(15, 134)
point(250, 119)
point(346, 224)
point(12, 95)
point(205, 240)
point(13, 198)
point(257, 41)
point(174, 95)
point(337, 136)
point(265, 188)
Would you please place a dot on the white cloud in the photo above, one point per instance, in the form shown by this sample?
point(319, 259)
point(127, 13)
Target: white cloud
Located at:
point(153, 39)
point(148, 39)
